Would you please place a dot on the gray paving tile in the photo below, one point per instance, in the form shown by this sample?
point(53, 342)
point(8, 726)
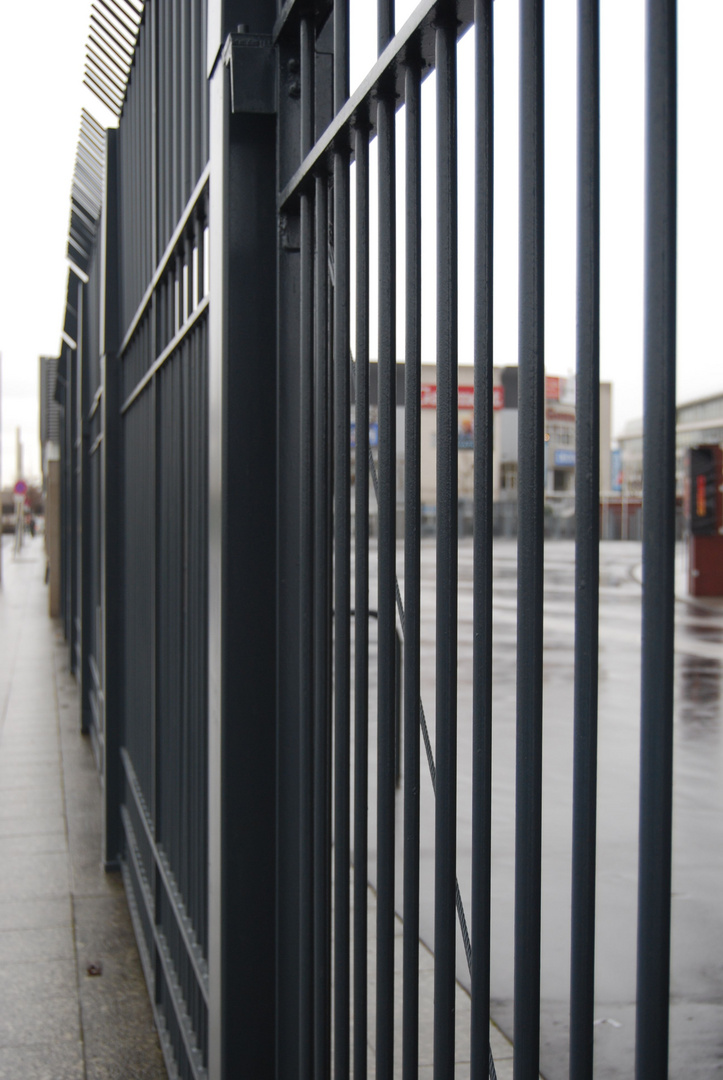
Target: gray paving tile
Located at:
point(37, 981)
point(31, 824)
point(23, 758)
point(29, 742)
point(34, 876)
point(49, 1061)
point(38, 717)
point(40, 944)
point(33, 771)
point(24, 1023)
point(35, 914)
point(31, 796)
point(25, 799)
point(42, 844)
point(24, 705)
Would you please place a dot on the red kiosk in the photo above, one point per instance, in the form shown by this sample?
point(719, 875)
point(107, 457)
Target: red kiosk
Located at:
point(704, 504)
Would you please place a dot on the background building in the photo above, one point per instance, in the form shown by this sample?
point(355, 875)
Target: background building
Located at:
point(697, 422)
point(560, 416)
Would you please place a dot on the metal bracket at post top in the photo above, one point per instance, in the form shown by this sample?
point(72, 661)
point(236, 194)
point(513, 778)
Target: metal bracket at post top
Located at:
point(250, 58)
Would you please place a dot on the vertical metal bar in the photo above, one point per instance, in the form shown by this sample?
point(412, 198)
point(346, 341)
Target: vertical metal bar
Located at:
point(385, 24)
point(160, 87)
point(341, 53)
point(322, 718)
point(386, 719)
point(656, 747)
point(342, 610)
point(185, 76)
point(447, 466)
point(153, 61)
point(342, 558)
point(132, 218)
point(412, 534)
point(306, 48)
point(76, 421)
point(306, 588)
point(528, 832)
point(85, 606)
point(195, 78)
point(361, 600)
point(483, 451)
point(175, 111)
point(167, 110)
point(306, 689)
point(204, 103)
point(587, 544)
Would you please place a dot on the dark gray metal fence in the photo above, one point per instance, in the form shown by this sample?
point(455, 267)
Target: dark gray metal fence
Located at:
point(218, 599)
point(161, 356)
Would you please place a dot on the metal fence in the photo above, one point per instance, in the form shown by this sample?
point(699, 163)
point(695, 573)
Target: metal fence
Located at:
point(244, 703)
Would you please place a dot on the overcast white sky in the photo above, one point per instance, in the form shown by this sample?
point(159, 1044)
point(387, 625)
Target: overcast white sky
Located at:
point(41, 93)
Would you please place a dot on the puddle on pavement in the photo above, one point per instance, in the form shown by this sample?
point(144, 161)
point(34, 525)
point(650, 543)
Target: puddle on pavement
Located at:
point(698, 694)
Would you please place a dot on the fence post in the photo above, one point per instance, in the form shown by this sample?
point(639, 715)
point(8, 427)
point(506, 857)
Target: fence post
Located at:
point(111, 513)
point(242, 546)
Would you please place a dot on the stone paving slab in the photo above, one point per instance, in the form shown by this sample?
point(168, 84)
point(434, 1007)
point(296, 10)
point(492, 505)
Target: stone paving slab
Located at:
point(49, 1061)
point(35, 914)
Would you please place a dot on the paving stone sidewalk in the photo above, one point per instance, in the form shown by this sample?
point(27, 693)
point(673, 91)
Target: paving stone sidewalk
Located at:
point(62, 917)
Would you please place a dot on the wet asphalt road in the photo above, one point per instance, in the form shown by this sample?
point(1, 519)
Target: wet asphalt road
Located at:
point(696, 1037)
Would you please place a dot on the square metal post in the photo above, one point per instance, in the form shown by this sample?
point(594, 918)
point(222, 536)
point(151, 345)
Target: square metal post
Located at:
point(242, 561)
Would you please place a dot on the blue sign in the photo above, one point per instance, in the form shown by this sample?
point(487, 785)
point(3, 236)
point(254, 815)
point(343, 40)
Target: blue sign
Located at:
point(616, 470)
point(565, 459)
point(373, 434)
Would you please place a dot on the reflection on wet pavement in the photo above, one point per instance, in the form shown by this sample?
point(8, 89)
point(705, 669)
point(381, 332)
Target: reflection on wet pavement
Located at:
point(698, 808)
point(698, 698)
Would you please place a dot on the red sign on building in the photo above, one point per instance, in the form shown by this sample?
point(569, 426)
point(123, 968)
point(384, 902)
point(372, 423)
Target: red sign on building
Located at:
point(465, 397)
point(552, 388)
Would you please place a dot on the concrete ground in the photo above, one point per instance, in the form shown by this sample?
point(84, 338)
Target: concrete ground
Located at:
point(73, 1001)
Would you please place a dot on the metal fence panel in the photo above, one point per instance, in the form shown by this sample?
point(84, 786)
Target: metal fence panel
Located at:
point(237, 578)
